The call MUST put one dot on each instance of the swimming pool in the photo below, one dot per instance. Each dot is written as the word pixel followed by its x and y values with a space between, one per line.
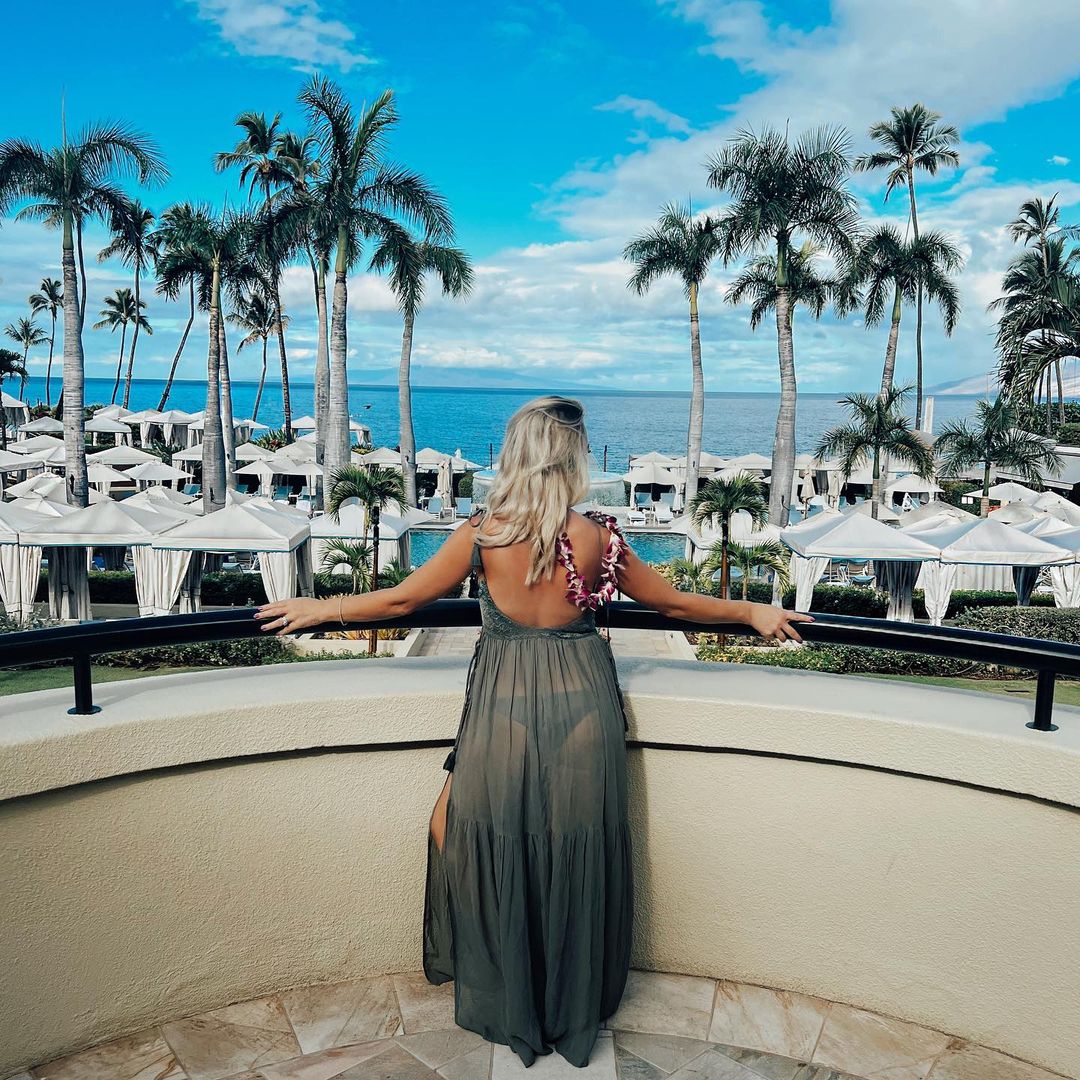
pixel 649 547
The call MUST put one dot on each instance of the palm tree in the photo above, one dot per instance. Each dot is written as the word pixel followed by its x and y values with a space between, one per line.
pixel 879 430
pixel 408 261
pixel 375 487
pixel 133 242
pixel 178 266
pixel 393 574
pixel 768 555
pixel 10 364
pixel 255 315
pixel 718 501
pixel 29 335
pixel 120 310
pixel 64 184
pixel 260 167
pixel 684 246
pixel 892 268
pixel 354 555
pixel 50 299
pixel 689 576
pixel 995 441
pixel 783 194
pixel 913 138
pixel 358 188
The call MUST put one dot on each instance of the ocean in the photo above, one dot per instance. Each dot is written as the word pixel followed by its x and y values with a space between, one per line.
pixel 473 420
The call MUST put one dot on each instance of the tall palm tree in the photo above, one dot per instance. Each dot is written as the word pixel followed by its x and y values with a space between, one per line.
pixel 718 501
pixel 261 168
pixel 685 247
pixel 178 267
pixel 784 193
pixel 50 299
pixel 29 335
pixel 376 487
pixel 995 441
pixel 10 364
pixel 121 310
pixel 133 243
pixel 409 260
pixel 63 184
pixel 768 555
pixel 891 268
pixel 913 138
pixel 880 431
pixel 255 315
pixel 359 188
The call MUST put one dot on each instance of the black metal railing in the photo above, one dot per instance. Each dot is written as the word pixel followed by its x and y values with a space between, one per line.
pixel 79 643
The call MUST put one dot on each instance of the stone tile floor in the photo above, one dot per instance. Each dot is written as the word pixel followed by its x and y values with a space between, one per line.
pixel 460 640
pixel 667 1027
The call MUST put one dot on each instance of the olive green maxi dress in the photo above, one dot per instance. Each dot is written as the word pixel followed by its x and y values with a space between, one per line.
pixel 529 905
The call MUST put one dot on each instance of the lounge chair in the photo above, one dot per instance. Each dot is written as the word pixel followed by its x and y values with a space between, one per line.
pixel 635 516
pixel 282 493
pixel 667 498
pixel 664 516
pixel 434 506
pixel 464 507
pixel 642 499
pixel 193 489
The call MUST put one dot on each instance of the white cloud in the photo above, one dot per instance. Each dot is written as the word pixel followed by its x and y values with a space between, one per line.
pixel 644 109
pixel 1057 159
pixel 296 30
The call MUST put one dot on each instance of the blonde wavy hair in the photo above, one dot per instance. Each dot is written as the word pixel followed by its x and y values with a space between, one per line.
pixel 543 470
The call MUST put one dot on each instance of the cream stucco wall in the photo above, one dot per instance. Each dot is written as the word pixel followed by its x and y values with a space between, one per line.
pixel 132 891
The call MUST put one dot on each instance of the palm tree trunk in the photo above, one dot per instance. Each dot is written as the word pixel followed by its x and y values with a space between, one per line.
pixel 336 450
pixel 725 568
pixel 22 377
pixel 119 365
pixel 918 310
pixel 3 420
pixel 180 349
pixel 1061 391
pixel 82 278
pixel 407 436
pixel 875 489
pixel 213 451
pixel 228 432
pixel 697 402
pixel 890 348
pixel 322 374
pixel 74 420
pixel 262 383
pixel 984 502
pixel 134 341
pixel 373 636
pixel 286 397
pixel 48 370
pixel 783 455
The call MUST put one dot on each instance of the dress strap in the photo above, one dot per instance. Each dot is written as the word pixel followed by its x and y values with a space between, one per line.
pixel 476 562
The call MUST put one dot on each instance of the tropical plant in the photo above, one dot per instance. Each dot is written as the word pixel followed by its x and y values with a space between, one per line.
pixel 376 488
pixel 274 439
pixel 768 555
pixel 913 138
pixel 687 575
pixel 255 315
pixel 11 363
pixel 996 442
pixel 50 299
pixel 408 262
pixel 29 335
pixel 719 499
pixel 357 189
pixel 64 185
pixel 261 168
pixel 879 430
pixel 683 246
pixel 133 243
pixel 354 555
pixel 120 310
pixel 394 573
pixel 783 194
pixel 891 268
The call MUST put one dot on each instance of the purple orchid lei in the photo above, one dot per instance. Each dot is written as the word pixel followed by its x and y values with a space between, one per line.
pixel 576 591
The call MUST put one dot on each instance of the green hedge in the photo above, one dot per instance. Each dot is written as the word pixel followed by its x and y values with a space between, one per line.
pixel 1054 624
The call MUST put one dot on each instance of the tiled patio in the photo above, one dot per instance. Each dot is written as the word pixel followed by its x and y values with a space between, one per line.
pixel 459 641
pixel 401 1027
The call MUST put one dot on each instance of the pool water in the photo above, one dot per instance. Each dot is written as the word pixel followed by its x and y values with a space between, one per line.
pixel 649 547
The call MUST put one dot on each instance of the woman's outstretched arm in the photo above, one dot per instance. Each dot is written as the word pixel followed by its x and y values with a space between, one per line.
pixel 449 566
pixel 642 583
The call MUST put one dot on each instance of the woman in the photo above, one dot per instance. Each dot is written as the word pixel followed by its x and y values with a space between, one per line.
pixel 529 892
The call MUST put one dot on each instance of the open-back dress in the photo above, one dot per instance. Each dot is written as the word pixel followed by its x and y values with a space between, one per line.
pixel 529 904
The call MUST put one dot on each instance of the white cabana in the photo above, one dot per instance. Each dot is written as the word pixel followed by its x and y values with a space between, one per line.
pixel 12 410
pixel 651 475
pixel 262 470
pixel 44 484
pixel 56 456
pixel 157 472
pixel 1007 492
pixel 105 425
pixel 120 457
pixel 43 425
pixel 101 475
pixel 10 462
pixel 1015 513
pixel 382 455
pixel 912 485
pixel 247 451
pixel 20 564
pixel 36 504
pixel 884 512
pixel 168 499
pixel 752 462
pixel 305 423
pixel 112 412
pixel 933 508
pixel 1053 503
pixel 170 420
pixel 191 455
pixel 36 444
pixel 1065 578
pixel 280 539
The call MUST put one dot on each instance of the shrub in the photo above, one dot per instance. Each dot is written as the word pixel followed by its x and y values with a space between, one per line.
pixel 465 486
pixel 1054 624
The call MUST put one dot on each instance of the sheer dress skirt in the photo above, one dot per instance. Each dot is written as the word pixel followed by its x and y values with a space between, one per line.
pixel 529 906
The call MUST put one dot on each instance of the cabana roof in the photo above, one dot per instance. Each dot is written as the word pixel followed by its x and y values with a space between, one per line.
pixel 107 522
pixel 984 542
pixel 855 536
pixel 237 527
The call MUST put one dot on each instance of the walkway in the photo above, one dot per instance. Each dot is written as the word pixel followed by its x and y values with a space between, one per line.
pixel 460 640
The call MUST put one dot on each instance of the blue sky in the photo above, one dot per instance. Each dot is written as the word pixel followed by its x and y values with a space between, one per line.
pixel 557 131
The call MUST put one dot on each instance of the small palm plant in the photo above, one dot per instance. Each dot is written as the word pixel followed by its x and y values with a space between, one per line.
pixel 10 364
pixel 394 573
pixel 28 334
pixel 878 430
pixel 354 555
pixel 719 500
pixel 995 440
pixel 768 555
pixel 689 576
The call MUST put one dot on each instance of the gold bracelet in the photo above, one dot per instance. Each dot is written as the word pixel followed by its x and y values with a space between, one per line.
pixel 341 600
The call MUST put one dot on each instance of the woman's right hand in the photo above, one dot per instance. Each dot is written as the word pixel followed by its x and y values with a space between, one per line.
pixel 775 622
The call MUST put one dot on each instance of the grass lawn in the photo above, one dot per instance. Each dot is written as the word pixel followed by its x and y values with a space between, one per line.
pixel 1065 693
pixel 22 681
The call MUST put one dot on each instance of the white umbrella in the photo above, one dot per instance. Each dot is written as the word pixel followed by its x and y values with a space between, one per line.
pixel 43 484
pixel 120 457
pixel 105 425
pixel 383 455
pixel 912 485
pixel 36 443
pixel 750 461
pixel 38 504
pixel 53 455
pixel 1007 492
pixel 157 472
pixel 884 513
pixel 112 412
pixel 97 472
pixel 44 425
pixel 444 484
pixel 651 473
pixel 654 457
pixel 1060 507
pixel 304 423
pixel 935 508
pixel 249 452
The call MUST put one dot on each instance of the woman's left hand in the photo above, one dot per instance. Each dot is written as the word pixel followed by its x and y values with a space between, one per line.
pixel 289 616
